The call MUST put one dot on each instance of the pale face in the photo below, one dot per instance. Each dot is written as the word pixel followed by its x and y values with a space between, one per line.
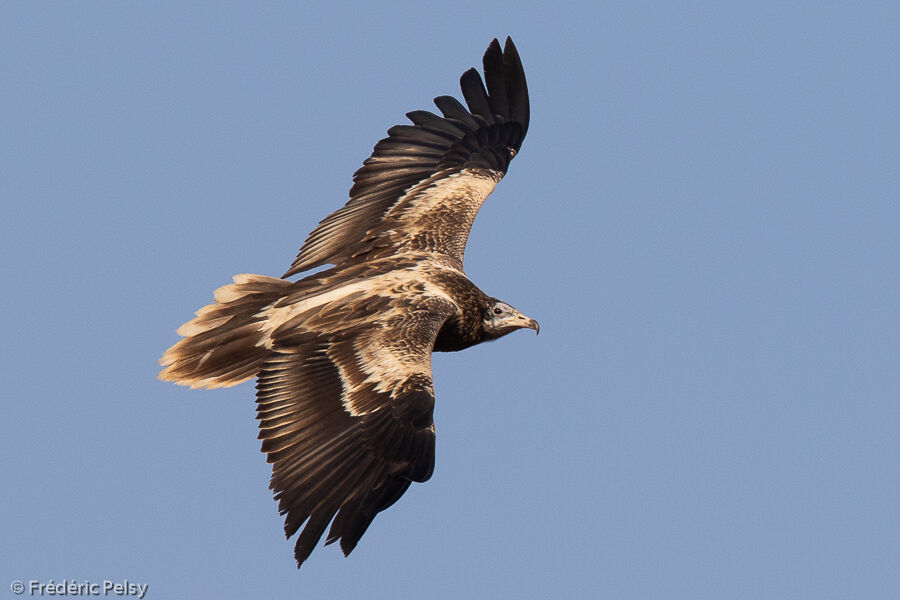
pixel 500 318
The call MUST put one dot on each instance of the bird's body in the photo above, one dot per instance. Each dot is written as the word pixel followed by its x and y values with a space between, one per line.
pixel 343 356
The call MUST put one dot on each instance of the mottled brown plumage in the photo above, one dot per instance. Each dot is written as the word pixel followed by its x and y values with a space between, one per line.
pixel 343 357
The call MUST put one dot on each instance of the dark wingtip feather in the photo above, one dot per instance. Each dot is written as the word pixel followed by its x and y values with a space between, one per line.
pixel 516 86
pixel 494 79
pixel 451 108
pixel 476 96
pixel 311 535
pixel 348 544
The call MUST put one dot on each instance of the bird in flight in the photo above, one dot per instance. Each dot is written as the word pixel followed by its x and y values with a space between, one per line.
pixel 342 357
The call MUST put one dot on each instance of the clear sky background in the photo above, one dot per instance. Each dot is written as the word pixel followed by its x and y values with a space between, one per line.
pixel 705 219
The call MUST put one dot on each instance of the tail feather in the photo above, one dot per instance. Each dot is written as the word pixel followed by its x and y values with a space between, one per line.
pixel 223 345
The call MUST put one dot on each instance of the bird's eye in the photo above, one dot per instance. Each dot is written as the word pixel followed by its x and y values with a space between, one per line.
pixel 497 310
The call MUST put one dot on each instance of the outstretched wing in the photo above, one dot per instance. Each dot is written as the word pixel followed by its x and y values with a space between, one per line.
pixel 345 404
pixel 424 183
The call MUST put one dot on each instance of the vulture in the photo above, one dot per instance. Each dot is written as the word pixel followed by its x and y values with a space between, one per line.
pixel 342 357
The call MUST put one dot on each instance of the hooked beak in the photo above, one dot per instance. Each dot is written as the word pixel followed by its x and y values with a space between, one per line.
pixel 524 322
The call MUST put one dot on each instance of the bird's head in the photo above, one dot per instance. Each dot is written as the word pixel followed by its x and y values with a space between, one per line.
pixel 500 318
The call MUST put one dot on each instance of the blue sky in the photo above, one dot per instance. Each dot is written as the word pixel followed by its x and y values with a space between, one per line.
pixel 704 218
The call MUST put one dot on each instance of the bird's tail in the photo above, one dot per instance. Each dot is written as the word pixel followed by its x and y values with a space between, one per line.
pixel 223 345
